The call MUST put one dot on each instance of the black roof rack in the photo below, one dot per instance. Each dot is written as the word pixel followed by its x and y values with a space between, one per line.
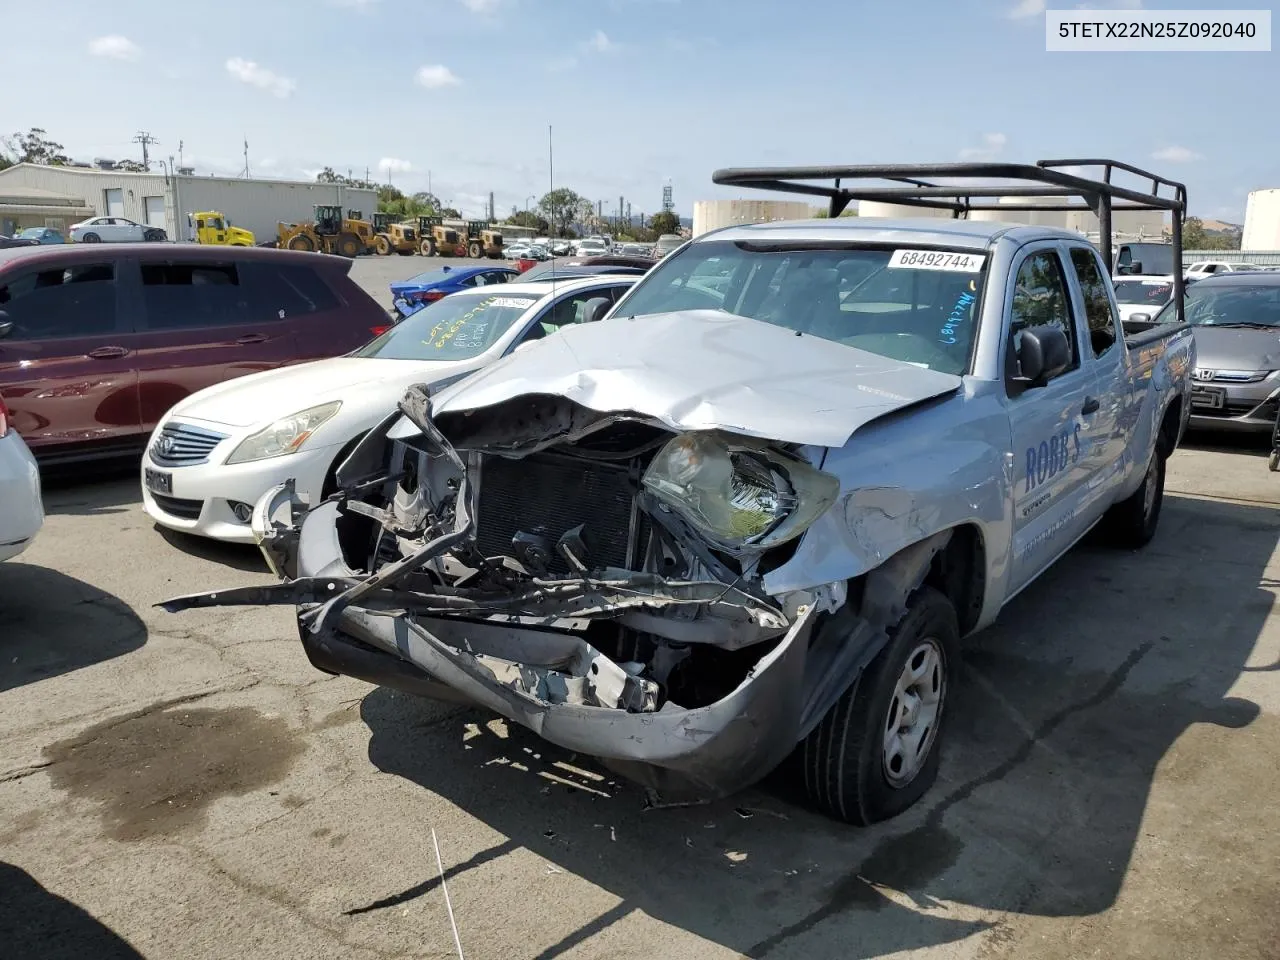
pixel 916 184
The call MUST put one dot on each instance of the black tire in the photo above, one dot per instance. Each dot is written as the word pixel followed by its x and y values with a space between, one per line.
pixel 349 246
pixel 1273 461
pixel 846 774
pixel 1132 522
pixel 427 248
pixel 301 242
pixel 383 245
pixel 91 238
pixel 474 250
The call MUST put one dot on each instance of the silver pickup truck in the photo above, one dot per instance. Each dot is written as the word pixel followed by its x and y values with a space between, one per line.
pixel 751 512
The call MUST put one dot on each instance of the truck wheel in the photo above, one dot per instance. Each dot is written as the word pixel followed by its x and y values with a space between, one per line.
pixel 349 246
pixel 427 248
pixel 383 246
pixel 474 250
pixel 1132 522
pixel 301 242
pixel 876 752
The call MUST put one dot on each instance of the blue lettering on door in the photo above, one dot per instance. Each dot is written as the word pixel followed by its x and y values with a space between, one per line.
pixel 1053 455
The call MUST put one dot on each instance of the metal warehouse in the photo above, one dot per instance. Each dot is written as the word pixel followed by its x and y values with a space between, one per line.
pixel 31 194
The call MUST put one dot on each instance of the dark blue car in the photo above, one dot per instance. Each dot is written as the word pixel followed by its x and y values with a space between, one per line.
pixel 410 296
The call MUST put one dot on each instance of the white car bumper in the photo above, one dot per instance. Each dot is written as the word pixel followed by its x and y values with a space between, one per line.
pixel 202 496
pixel 21 510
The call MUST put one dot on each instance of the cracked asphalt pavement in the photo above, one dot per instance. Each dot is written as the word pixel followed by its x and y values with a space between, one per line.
pixel 187 786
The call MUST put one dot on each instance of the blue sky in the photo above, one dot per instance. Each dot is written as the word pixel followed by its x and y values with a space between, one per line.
pixel 636 91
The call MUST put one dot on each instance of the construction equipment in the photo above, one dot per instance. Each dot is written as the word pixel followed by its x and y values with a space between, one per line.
pixel 483 242
pixel 330 232
pixel 390 236
pixel 212 228
pixel 435 238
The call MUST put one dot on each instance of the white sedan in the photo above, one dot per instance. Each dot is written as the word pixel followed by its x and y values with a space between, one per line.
pixel 109 230
pixel 213 455
pixel 21 510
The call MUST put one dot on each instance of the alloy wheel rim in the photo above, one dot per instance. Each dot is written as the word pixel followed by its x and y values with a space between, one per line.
pixel 911 723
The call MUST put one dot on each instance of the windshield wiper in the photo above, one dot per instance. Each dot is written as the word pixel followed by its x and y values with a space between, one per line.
pixel 1251 324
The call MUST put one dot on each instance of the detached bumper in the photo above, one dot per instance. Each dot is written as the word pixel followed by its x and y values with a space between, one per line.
pixel 531 675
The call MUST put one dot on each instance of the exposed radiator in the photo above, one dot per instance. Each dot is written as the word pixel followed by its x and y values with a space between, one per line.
pixel 549 494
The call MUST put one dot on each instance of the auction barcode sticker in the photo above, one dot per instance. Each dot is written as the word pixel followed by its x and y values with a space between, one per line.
pixel 936 260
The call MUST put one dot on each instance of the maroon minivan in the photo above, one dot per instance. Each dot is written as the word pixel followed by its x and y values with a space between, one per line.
pixel 98 341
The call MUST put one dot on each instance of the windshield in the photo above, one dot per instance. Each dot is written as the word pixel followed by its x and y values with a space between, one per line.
pixel 30 233
pixel 1229 305
pixel 456 328
pixel 917 306
pixel 1152 293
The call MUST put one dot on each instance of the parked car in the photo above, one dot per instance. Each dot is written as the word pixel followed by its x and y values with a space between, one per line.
pixel 591 247
pixel 41 235
pixel 1209 268
pixel 299 423
pixel 516 251
pixel 114 230
pixel 667 243
pixel 98 342
pixel 585 266
pixel 410 296
pixel 561 248
pixel 778 507
pixel 1142 294
pixel 6 242
pixel 21 510
pixel 1236 319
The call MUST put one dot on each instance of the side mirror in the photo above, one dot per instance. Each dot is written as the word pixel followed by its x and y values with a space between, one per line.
pixel 6 325
pixel 596 308
pixel 1043 353
pixel 1139 318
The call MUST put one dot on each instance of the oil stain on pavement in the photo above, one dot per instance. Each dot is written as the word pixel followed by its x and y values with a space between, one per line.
pixel 155 772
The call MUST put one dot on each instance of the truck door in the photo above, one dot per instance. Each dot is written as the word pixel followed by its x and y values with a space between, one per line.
pixel 1052 425
pixel 1103 349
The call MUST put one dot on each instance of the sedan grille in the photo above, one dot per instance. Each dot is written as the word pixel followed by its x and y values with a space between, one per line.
pixel 182 445
pixel 548 495
pixel 182 509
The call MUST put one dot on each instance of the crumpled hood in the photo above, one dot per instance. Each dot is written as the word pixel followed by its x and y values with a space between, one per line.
pixel 271 394
pixel 1237 348
pixel 708 370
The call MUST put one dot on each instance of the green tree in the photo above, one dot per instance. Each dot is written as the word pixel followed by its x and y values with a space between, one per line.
pixel 527 218
pixel 130 166
pixel 34 146
pixel 560 207
pixel 665 222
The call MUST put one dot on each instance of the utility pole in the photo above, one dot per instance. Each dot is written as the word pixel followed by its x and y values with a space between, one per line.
pixel 246 158
pixel 180 163
pixel 146 140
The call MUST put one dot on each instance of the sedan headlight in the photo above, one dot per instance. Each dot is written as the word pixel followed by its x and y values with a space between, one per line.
pixel 739 493
pixel 285 436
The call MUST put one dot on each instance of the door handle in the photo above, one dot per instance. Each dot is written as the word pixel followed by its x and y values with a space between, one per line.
pixel 1091 405
pixel 108 353
pixel 251 338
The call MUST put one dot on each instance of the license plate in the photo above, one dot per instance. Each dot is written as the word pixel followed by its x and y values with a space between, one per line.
pixel 1208 398
pixel 159 481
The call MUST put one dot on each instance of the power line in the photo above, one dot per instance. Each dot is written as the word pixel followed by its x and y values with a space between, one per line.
pixel 146 140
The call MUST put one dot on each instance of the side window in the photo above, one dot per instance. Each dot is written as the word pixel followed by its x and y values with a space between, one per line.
pixel 281 291
pixel 1040 299
pixel 75 301
pixel 1098 308
pixel 569 310
pixel 184 296
pixel 470 281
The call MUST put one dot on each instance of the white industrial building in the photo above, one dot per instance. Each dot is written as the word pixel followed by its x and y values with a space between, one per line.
pixel 38 195
pixel 713 214
pixel 1262 221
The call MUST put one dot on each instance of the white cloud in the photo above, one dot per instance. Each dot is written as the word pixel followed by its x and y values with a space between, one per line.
pixel 115 47
pixel 992 146
pixel 1175 154
pixel 437 75
pixel 482 6
pixel 600 43
pixel 246 71
pixel 1027 8
pixel 393 165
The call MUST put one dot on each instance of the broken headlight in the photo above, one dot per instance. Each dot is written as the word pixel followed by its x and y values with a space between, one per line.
pixel 738 493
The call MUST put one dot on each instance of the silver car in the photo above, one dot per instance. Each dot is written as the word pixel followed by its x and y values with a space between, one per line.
pixel 1236 319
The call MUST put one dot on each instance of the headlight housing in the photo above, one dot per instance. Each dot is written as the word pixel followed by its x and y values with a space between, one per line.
pixel 740 494
pixel 285 436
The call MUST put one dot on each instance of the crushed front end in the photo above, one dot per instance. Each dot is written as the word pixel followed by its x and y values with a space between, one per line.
pixel 594 577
